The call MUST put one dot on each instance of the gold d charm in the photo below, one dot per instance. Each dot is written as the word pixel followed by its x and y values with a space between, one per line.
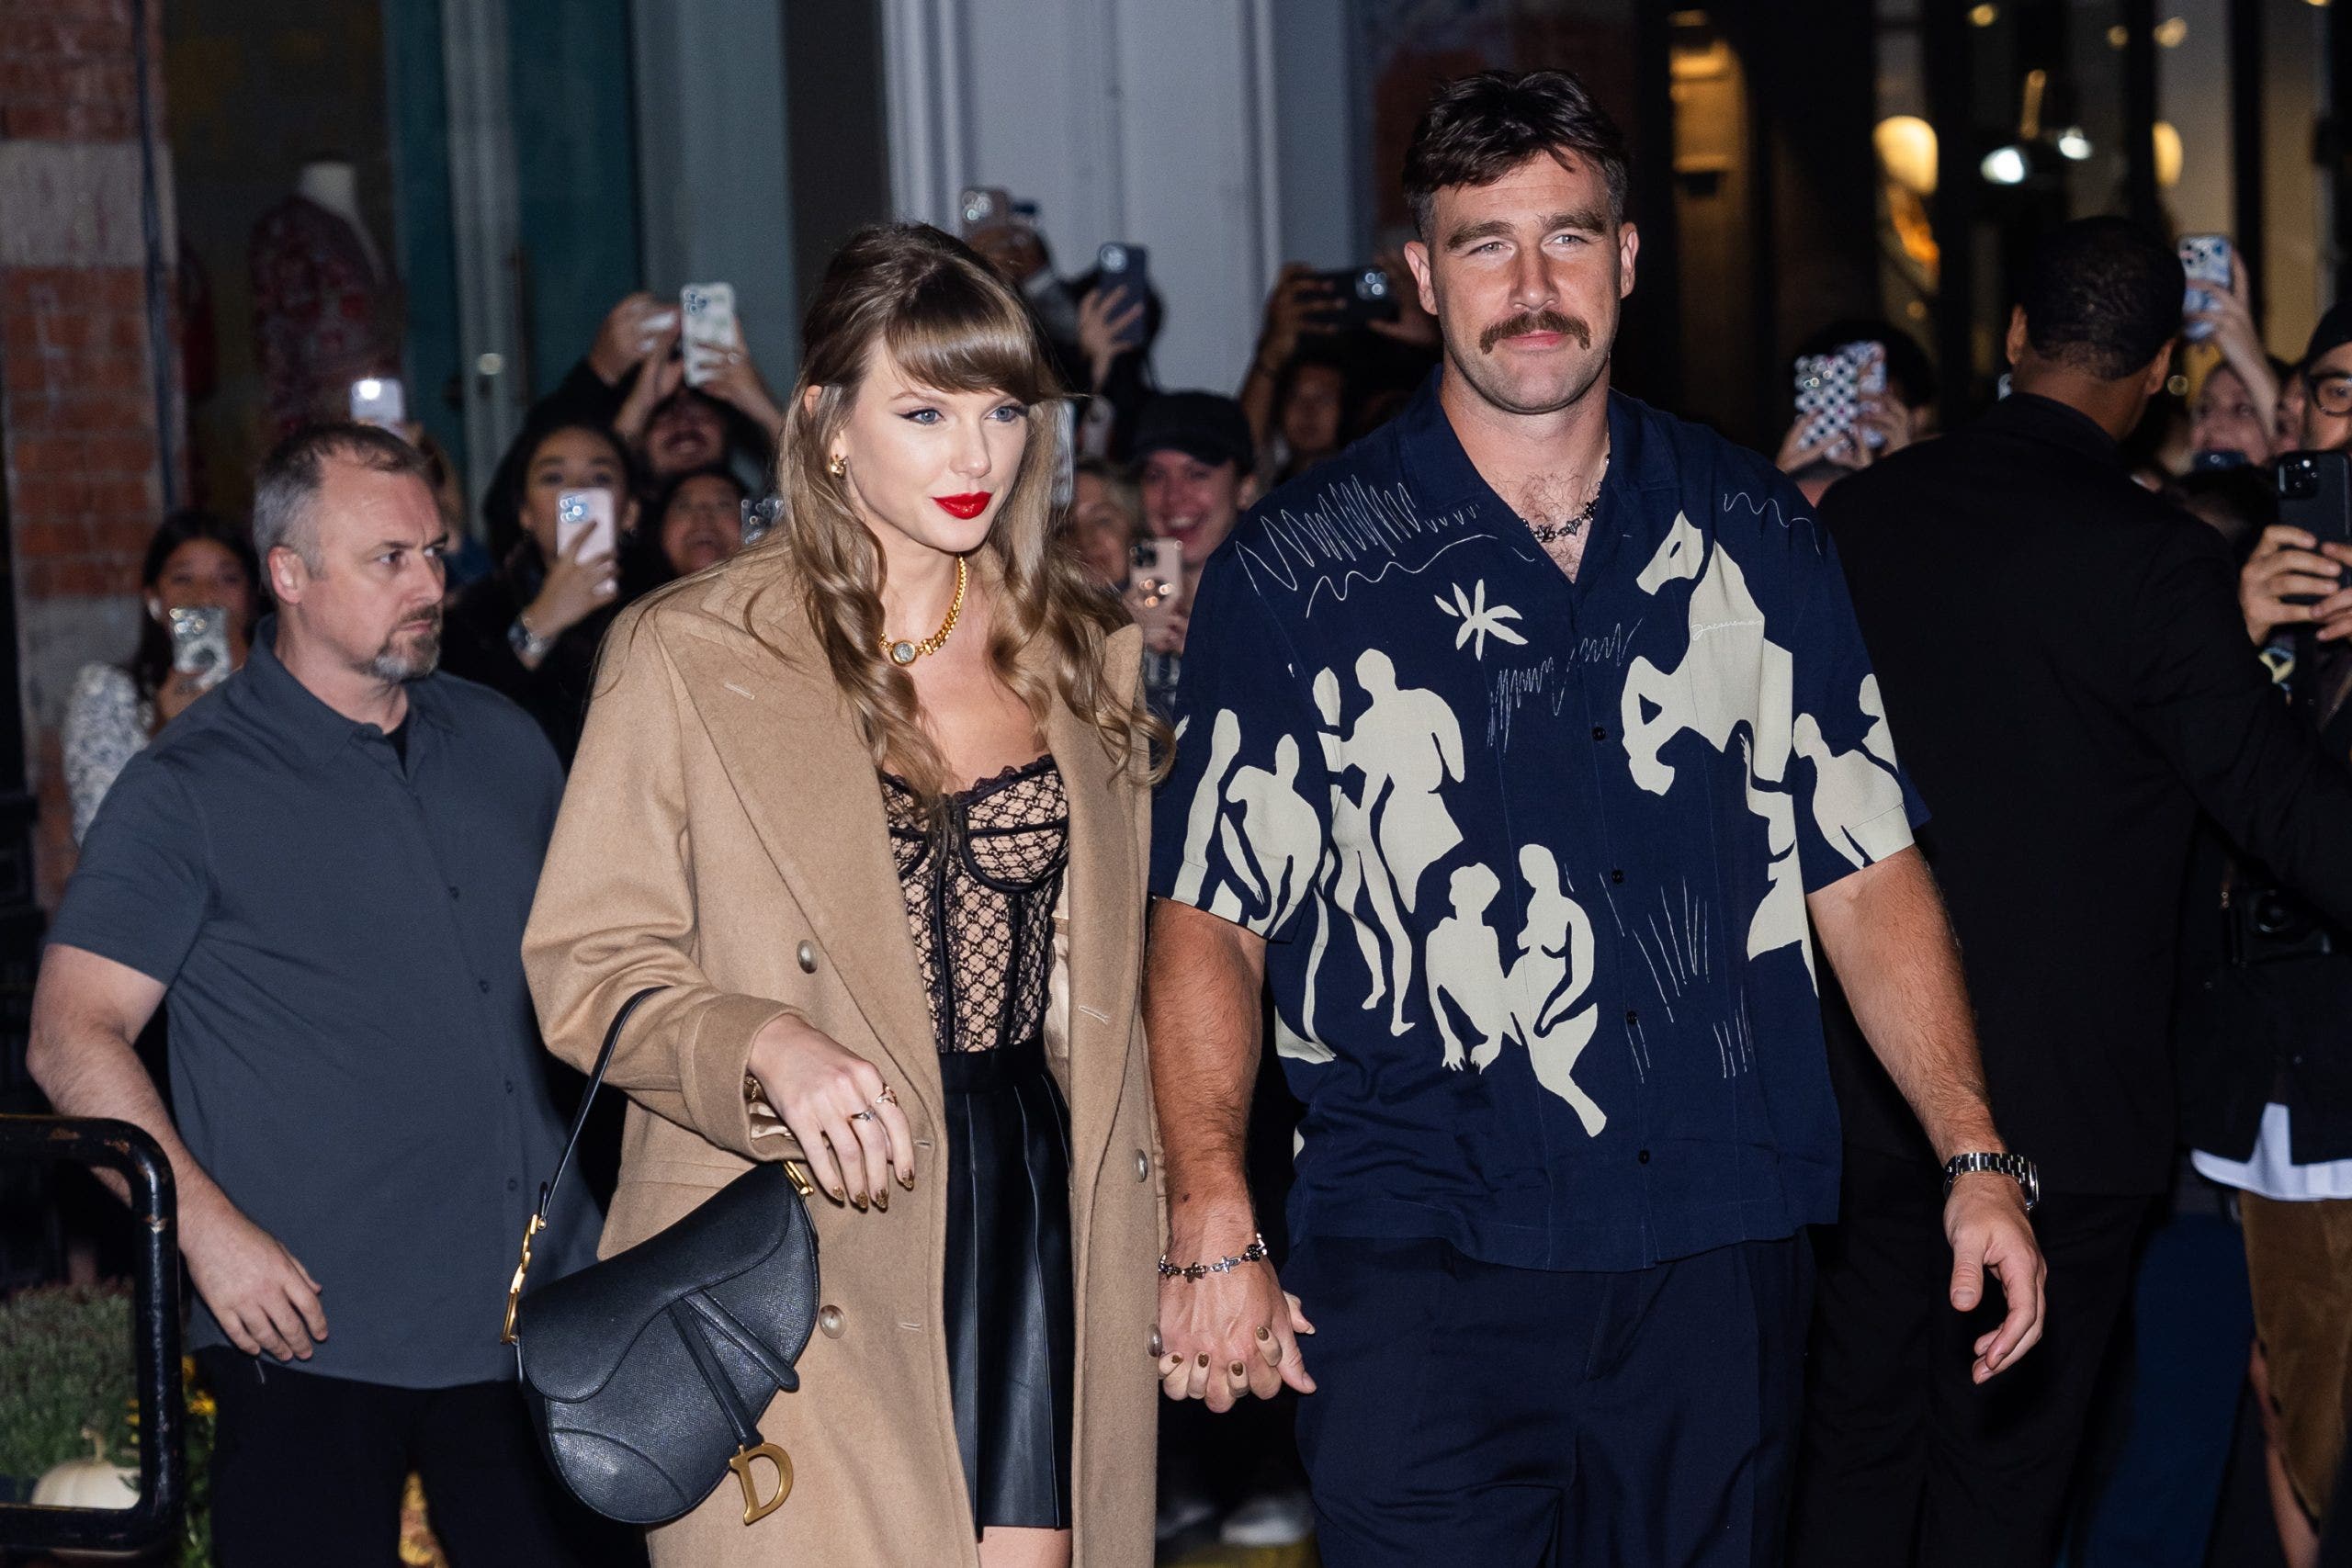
pixel 753 1509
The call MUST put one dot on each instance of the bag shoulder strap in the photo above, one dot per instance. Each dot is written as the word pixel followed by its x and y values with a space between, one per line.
pixel 588 1096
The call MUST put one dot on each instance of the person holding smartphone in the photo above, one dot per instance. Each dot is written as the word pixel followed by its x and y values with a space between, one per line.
pixel 531 628
pixel 195 561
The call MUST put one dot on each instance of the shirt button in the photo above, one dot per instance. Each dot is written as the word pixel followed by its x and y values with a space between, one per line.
pixel 806 954
pixel 512 1184
pixel 829 1319
pixel 1601 732
pixel 453 891
pixel 1643 1156
pixel 1618 877
pixel 485 986
pixel 1631 1016
pixel 510 1086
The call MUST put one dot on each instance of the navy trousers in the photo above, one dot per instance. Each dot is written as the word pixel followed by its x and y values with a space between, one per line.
pixel 1467 1413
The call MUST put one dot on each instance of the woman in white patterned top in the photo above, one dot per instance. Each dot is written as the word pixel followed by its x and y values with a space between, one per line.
pixel 195 558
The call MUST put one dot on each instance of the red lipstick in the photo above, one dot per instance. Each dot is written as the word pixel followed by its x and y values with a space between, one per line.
pixel 964 507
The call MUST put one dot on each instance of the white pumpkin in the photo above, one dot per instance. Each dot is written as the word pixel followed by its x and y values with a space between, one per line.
pixel 93 1483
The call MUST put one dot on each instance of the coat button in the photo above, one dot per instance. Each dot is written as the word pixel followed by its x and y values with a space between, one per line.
pixel 1143 1166
pixel 829 1320
pixel 808 957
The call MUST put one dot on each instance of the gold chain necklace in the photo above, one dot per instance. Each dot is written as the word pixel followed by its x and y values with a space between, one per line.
pixel 903 654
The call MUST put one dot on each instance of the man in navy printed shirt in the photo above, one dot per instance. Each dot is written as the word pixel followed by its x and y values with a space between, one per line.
pixel 1523 749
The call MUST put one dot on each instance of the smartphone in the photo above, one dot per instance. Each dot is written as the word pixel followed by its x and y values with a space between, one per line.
pixel 1360 295
pixel 983 207
pixel 1123 273
pixel 706 329
pixel 2315 495
pixel 2205 258
pixel 1155 582
pixel 200 643
pixel 1831 387
pixel 379 400
pixel 589 513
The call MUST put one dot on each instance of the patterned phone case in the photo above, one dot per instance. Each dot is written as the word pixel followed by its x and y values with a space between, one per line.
pixel 1830 388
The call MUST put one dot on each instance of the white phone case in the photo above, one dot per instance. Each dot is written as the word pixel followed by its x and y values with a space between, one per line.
pixel 588 512
pixel 707 330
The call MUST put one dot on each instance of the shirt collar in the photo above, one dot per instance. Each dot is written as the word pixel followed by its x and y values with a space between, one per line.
pixel 317 729
pixel 1441 473
pixel 2046 419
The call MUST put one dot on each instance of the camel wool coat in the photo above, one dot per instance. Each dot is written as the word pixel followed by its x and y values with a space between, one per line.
pixel 723 837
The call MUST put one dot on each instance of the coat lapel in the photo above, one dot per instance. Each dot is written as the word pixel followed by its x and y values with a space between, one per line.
pixel 1105 912
pixel 792 754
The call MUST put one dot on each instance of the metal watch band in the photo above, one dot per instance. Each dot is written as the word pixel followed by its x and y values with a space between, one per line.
pixel 525 642
pixel 2015 1166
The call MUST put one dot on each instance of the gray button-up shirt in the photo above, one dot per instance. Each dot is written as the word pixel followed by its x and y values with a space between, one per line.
pixel 353 1056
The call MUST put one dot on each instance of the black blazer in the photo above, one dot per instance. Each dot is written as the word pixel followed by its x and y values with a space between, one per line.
pixel 2068 680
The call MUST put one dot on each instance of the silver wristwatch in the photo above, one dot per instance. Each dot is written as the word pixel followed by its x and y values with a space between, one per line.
pixel 2015 1166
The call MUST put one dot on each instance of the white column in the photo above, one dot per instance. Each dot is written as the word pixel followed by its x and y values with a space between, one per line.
pixel 714 190
pixel 1136 120
pixel 483 207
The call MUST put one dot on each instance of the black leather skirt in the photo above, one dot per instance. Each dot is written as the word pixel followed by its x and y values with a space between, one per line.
pixel 1010 1307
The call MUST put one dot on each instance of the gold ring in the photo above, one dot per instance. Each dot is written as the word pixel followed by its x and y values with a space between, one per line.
pixel 888 1097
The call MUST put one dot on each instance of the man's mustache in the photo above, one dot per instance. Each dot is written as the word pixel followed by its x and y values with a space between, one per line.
pixel 1535 322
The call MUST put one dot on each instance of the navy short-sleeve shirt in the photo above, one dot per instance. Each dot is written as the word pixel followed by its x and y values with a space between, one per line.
pixel 1531 854
pixel 353 1056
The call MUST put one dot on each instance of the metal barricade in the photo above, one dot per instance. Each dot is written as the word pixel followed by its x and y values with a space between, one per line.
pixel 155 1340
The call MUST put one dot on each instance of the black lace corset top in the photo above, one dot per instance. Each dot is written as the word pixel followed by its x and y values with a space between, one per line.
pixel 980 893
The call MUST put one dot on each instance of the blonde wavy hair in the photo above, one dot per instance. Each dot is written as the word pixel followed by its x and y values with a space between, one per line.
pixel 951 324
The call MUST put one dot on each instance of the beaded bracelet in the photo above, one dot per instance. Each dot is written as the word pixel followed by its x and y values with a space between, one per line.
pixel 1253 1253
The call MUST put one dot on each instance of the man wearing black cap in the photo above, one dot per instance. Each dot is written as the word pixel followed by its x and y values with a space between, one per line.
pixel 2062 654
pixel 1195 468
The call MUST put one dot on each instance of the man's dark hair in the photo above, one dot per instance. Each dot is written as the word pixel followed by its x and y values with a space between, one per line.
pixel 1479 128
pixel 2102 295
pixel 289 480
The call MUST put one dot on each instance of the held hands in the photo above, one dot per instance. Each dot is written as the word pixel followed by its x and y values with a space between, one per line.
pixel 2289 561
pixel 835 1103
pixel 1224 1336
pixel 264 1298
pixel 1985 1220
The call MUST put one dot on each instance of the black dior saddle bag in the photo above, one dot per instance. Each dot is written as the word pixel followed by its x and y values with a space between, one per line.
pixel 646 1373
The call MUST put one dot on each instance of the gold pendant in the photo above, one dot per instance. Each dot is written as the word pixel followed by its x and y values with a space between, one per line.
pixel 902 653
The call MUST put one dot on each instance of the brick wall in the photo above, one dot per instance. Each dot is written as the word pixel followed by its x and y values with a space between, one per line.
pixel 79 460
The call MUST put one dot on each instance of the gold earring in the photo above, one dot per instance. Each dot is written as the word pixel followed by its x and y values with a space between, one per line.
pixel 837 466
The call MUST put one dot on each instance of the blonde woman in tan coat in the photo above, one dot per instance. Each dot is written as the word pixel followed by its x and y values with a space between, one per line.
pixel 870 802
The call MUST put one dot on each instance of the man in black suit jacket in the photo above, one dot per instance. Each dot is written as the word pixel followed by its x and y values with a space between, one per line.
pixel 2064 656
